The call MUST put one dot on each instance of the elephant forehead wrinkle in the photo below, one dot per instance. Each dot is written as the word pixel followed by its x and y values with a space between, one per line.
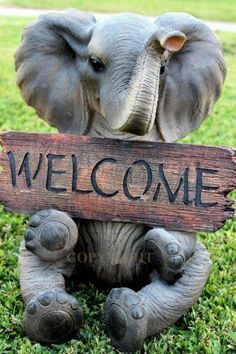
pixel 115 31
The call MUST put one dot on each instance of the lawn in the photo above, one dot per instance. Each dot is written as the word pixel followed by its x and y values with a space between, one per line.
pixel 210 9
pixel 209 326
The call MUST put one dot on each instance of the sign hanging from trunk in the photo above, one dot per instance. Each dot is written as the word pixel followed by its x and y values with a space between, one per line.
pixel 174 186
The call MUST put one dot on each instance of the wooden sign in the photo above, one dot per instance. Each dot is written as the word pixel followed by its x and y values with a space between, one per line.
pixel 179 187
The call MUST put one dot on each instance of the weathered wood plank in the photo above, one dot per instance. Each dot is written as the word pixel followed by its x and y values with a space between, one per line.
pixel 179 187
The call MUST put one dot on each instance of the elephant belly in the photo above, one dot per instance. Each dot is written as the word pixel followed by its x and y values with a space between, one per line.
pixel 112 252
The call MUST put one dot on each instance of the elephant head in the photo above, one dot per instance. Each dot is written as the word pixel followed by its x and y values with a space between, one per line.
pixel 132 73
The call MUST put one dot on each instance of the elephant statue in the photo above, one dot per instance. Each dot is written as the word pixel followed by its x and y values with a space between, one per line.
pixel 129 78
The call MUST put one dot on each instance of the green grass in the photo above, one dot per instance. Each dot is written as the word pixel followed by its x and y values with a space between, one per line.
pixel 208 327
pixel 206 9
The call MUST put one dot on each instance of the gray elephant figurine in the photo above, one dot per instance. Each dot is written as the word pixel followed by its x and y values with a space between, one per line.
pixel 124 78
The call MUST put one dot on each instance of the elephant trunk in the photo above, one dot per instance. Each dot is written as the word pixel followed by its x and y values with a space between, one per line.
pixel 136 106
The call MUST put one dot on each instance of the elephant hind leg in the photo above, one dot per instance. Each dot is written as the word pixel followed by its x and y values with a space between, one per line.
pixel 167 303
pixel 131 317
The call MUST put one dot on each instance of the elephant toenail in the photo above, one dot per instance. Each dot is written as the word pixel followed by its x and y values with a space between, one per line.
pixel 31 246
pixel 130 300
pixel 29 235
pixel 138 312
pixel 175 262
pixel 74 305
pixel 46 298
pixel 112 292
pixel 62 298
pixel 116 322
pixel 118 293
pixel 44 213
pixel 32 308
pixel 54 236
pixel 35 221
pixel 172 248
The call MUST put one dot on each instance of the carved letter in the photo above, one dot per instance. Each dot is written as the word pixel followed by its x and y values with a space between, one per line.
pixel 75 176
pixel 200 187
pixel 50 172
pixel 148 183
pixel 94 178
pixel 24 167
pixel 171 196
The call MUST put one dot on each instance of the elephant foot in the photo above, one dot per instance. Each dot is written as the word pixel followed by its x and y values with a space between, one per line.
pixel 126 319
pixel 51 235
pixel 132 317
pixel 168 254
pixel 52 317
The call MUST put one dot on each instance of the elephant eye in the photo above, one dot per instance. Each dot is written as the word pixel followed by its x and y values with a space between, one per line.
pixel 97 64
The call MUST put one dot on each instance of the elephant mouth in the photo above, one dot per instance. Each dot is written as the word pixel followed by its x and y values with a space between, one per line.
pixel 140 109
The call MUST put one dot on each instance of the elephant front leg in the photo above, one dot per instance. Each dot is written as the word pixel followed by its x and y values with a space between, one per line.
pixel 46 256
pixel 168 252
pixel 133 316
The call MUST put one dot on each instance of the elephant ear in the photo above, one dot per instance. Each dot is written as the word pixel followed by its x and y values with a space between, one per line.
pixel 193 78
pixel 47 64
